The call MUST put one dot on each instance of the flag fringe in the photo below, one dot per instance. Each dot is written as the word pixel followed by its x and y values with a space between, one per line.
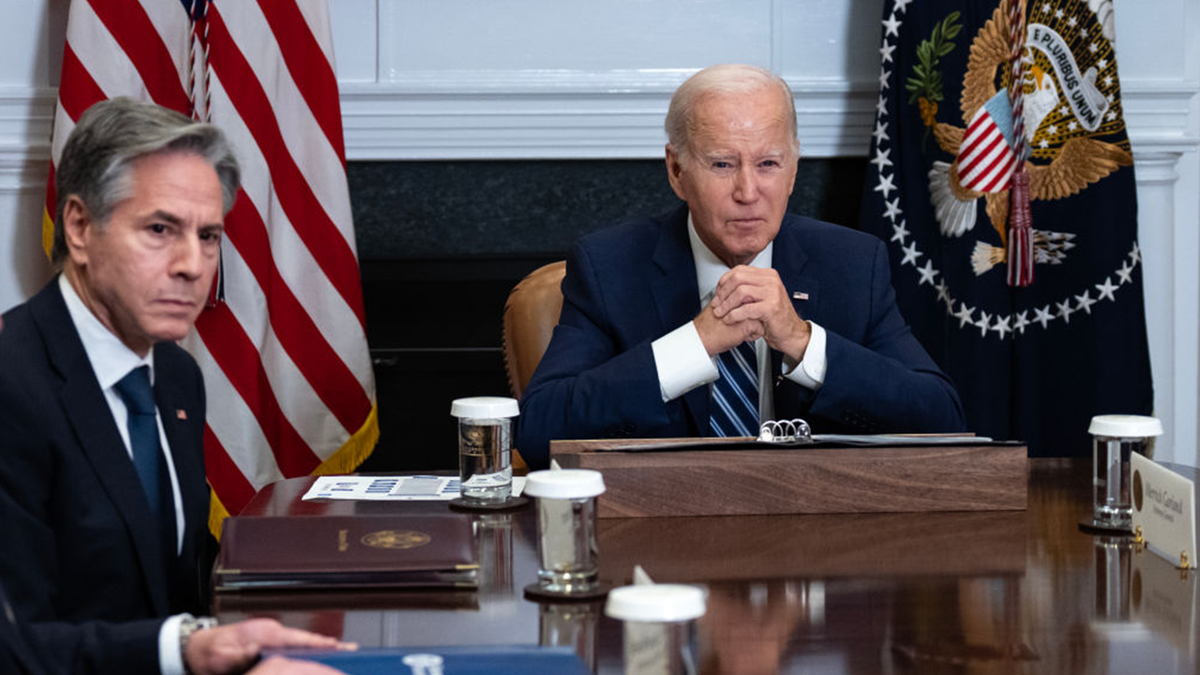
pixel 47 232
pixel 353 452
pixel 216 513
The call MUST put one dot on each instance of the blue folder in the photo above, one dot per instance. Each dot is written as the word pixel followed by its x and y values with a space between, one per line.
pixel 489 660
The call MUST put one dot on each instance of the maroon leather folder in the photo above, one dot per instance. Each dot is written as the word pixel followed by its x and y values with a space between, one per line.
pixel 397 551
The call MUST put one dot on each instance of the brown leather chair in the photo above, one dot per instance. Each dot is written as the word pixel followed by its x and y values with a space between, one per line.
pixel 529 318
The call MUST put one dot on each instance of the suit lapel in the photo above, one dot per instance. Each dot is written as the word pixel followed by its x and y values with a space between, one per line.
pixel 676 295
pixel 91 419
pixel 791 261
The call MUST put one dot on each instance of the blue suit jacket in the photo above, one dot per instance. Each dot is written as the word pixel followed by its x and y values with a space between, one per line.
pixel 20 653
pixel 81 541
pixel 629 285
pixel 91 648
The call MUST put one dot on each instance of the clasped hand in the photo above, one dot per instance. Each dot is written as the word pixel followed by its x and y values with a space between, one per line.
pixel 749 303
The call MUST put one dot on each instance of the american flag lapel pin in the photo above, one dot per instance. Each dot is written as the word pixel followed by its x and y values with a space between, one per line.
pixel 181 414
pixel 799 295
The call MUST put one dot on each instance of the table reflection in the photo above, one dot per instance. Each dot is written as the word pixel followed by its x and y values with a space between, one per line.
pixel 571 624
pixel 748 627
pixel 963 593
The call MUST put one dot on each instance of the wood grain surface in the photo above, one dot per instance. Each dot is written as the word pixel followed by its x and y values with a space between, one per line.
pixel 815 480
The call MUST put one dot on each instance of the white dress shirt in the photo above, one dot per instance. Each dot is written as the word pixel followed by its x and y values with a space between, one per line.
pixel 683 363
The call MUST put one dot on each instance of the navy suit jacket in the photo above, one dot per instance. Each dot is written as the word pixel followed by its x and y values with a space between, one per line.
pixel 92 648
pixel 629 285
pixel 20 653
pixel 80 540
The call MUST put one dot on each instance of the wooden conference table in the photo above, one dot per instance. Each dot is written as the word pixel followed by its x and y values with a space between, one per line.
pixel 991 592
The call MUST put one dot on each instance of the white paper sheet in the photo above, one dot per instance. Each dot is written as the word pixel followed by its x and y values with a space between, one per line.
pixel 392 488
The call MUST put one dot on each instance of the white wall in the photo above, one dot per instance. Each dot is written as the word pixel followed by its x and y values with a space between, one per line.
pixel 31 37
pixel 442 79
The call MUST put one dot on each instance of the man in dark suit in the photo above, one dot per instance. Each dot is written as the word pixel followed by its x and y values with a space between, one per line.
pixel 133 647
pixel 101 413
pixel 730 311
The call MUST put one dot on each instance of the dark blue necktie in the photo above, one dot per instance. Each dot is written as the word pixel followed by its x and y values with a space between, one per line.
pixel 138 396
pixel 734 410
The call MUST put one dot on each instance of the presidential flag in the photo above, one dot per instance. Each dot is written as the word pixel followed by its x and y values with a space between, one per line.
pixel 1031 362
pixel 283 345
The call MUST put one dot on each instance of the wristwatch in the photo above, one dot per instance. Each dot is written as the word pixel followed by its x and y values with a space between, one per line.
pixel 187 626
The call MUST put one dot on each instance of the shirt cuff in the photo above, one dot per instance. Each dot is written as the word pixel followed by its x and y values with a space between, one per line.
pixel 810 372
pixel 682 362
pixel 170 660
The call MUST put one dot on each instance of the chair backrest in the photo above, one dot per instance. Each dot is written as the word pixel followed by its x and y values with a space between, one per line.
pixel 529 318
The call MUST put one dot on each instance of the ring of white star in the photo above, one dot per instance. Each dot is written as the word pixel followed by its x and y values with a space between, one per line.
pixel 999 325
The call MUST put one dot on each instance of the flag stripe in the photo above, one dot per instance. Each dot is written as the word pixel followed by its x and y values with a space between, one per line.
pixel 233 351
pixel 316 16
pixel 320 364
pixel 106 63
pixel 309 69
pixel 235 491
pixel 137 36
pixel 316 159
pixel 233 423
pixel 166 20
pixel 1001 174
pixel 83 91
pixel 982 148
pixel 297 397
pixel 986 167
pixel 322 237
pixel 985 170
pixel 72 101
pixel 294 261
pixel 981 120
pixel 63 124
pixel 985 159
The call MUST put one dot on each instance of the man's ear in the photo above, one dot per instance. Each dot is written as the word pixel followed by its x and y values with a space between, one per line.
pixel 77 228
pixel 675 172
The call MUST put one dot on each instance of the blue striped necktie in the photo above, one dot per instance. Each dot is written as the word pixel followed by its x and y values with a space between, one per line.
pixel 734 409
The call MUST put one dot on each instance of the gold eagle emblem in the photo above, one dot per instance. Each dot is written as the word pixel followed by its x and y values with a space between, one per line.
pixel 396 539
pixel 1066 156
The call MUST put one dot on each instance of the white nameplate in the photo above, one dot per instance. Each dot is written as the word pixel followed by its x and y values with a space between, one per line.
pixel 1164 507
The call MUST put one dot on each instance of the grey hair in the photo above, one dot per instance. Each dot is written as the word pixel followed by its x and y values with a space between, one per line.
pixel 110 137
pixel 730 78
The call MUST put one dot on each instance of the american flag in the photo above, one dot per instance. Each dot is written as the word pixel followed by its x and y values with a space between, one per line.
pixel 986 160
pixel 284 351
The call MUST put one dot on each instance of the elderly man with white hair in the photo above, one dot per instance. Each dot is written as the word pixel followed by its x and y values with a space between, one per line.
pixel 729 310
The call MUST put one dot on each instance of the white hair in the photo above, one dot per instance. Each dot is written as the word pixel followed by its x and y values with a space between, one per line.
pixel 727 78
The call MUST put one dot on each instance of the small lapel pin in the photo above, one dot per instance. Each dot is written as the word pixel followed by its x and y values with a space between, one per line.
pixel 181 414
pixel 799 295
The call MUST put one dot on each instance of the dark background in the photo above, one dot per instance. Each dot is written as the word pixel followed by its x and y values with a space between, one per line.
pixel 441 244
